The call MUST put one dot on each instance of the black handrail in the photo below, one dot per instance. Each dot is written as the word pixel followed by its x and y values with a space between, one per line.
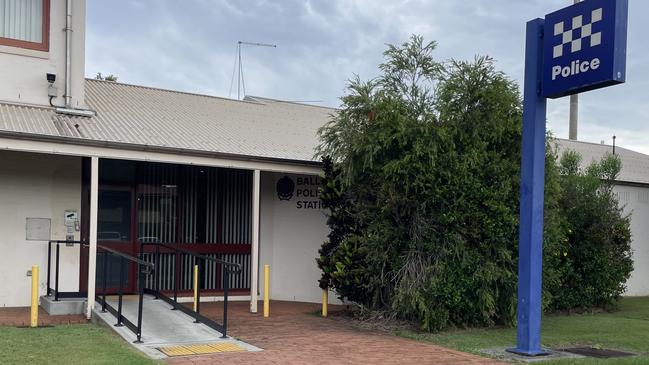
pixel 144 268
pixel 57 294
pixel 227 267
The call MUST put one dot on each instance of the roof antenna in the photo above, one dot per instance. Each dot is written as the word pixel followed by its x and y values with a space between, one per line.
pixel 237 61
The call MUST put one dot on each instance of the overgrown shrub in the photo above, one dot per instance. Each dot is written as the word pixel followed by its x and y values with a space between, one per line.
pixel 422 187
pixel 596 260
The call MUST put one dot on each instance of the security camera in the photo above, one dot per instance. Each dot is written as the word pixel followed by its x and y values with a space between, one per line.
pixel 52 91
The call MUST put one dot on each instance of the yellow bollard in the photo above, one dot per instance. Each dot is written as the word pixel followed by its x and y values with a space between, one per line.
pixel 34 312
pixel 266 291
pixel 195 287
pixel 325 302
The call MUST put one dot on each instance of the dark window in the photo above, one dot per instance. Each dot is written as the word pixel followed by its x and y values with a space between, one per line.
pixel 114 223
pixel 25 24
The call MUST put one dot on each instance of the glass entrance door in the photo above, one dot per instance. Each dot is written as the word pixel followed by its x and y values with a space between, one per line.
pixel 115 229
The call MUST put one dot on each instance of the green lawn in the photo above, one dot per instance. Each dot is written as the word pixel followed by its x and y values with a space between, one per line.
pixel 625 329
pixel 74 344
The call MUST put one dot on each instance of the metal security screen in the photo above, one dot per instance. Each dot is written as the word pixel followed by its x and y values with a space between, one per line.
pixel 206 210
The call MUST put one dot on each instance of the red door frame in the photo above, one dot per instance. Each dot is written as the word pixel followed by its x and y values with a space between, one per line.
pixel 85 223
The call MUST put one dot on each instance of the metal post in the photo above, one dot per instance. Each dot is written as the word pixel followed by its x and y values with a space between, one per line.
pixel 574 117
pixel 120 292
pixel 226 287
pixel 325 302
pixel 177 273
pixel 197 290
pixel 49 266
pixel 156 277
pixel 266 291
pixel 33 322
pixel 56 275
pixel 530 245
pixel 195 285
pixel 574 111
pixel 139 307
pixel 105 278
pixel 239 76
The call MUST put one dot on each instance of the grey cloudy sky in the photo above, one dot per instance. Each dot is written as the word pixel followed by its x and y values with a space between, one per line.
pixel 190 45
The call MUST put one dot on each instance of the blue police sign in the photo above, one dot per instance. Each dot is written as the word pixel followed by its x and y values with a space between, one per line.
pixel 579 48
pixel 584 47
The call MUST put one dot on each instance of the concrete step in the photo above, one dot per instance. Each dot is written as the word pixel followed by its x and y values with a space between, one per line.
pixel 63 306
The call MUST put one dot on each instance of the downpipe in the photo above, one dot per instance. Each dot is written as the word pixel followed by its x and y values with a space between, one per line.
pixel 68 60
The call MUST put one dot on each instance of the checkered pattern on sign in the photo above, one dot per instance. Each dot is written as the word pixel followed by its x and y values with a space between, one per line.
pixel 576 35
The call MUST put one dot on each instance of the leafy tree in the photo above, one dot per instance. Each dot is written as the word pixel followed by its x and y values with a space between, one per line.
pixel 110 77
pixel 430 155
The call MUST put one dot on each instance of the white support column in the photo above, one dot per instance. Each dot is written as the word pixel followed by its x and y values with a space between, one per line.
pixel 92 236
pixel 254 267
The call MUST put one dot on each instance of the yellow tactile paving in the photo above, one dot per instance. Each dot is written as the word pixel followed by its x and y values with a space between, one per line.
pixel 200 349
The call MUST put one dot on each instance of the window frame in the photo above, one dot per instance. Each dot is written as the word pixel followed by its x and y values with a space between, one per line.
pixel 44 46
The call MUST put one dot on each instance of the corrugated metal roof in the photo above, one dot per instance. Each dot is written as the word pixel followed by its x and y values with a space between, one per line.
pixel 256 127
pixel 138 115
pixel 635 165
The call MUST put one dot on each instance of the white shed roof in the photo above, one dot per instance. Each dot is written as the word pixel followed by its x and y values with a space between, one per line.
pixel 635 165
pixel 151 117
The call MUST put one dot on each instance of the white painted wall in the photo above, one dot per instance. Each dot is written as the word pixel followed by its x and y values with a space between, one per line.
pixel 636 201
pixel 23 71
pixel 43 186
pixel 290 239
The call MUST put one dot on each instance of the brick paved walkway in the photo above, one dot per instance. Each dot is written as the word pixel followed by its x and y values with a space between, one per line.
pixel 293 335
pixel 19 316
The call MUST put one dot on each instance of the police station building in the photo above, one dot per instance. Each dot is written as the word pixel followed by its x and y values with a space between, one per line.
pixel 104 164
pixel 115 165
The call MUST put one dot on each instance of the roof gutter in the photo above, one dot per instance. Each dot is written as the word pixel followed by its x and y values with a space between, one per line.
pixel 150 148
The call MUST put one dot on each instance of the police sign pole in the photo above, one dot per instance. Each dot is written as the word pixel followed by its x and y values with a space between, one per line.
pixel 576 49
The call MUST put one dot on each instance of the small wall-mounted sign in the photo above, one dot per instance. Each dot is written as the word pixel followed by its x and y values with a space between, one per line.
pixel 71 217
pixel 38 229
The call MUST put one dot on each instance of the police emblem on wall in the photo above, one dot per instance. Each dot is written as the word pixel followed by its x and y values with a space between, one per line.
pixel 285 188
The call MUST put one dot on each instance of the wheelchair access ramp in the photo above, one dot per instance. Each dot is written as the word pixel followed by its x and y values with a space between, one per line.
pixel 157 324
pixel 167 332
